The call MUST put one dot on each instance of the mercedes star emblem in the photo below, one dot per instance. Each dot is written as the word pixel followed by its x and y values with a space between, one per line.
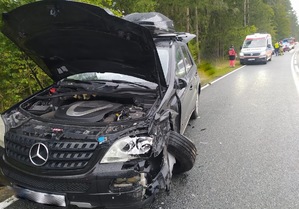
pixel 38 154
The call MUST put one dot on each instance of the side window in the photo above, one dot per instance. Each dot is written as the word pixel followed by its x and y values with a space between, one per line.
pixel 187 58
pixel 180 70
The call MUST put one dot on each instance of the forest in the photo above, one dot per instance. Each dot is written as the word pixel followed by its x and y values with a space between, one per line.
pixel 216 23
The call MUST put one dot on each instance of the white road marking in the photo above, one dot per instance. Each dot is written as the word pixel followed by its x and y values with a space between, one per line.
pixel 294 70
pixel 205 86
pixel 8 202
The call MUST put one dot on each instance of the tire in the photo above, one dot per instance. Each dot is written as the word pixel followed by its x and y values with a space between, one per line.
pixel 184 151
pixel 195 112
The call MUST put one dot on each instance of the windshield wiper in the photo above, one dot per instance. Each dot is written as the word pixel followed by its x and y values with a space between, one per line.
pixel 131 83
pixel 74 81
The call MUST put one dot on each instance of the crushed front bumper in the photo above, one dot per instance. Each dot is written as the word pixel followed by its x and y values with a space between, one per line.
pixel 107 186
pixel 126 200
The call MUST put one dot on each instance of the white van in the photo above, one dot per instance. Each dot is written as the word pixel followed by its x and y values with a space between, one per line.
pixel 257 48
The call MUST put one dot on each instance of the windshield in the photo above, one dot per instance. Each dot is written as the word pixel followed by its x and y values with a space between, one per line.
pixel 254 43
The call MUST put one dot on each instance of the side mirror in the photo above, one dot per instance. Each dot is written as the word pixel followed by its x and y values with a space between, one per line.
pixel 182 83
pixel 269 46
pixel 240 48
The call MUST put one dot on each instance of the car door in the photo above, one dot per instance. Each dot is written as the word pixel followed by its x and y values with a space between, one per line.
pixel 192 79
pixel 185 70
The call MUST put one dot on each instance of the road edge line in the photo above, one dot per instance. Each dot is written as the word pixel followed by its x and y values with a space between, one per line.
pixel 218 79
pixel 294 68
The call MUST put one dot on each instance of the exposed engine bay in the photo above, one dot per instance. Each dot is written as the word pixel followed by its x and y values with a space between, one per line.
pixel 88 108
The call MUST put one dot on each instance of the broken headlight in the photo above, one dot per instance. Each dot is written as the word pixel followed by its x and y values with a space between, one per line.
pixel 2 132
pixel 128 148
pixel 8 121
pixel 13 119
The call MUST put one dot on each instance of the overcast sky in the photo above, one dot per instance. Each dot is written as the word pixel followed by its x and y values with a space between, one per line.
pixel 295 5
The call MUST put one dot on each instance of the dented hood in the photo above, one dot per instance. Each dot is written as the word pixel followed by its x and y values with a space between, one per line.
pixel 66 38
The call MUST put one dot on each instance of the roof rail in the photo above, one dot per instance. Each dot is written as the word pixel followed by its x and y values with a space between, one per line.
pixel 181 36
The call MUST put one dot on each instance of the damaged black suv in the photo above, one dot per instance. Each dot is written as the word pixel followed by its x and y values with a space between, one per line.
pixel 108 132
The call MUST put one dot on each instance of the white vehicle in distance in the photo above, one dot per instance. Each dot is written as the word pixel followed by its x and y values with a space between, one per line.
pixel 256 48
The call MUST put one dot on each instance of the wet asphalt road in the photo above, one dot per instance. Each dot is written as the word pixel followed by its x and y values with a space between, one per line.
pixel 247 138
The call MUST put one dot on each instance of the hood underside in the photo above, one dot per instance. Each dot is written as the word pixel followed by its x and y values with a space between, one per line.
pixel 66 38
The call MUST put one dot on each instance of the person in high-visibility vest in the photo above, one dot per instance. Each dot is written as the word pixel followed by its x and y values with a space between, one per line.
pixel 276 48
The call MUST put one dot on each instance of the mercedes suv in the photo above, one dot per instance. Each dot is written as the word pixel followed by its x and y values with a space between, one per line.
pixel 108 132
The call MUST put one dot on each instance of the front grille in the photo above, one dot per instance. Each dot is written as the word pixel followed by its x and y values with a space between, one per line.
pixel 252 54
pixel 59 185
pixel 62 154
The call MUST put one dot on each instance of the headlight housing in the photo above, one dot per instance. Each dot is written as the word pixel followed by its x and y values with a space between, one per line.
pixel 14 119
pixel 241 54
pixel 128 148
pixel 10 120
pixel 2 132
pixel 263 53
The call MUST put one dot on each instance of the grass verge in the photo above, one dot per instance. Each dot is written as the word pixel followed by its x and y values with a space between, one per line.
pixel 211 71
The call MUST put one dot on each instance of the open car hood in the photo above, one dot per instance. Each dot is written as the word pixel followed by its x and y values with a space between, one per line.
pixel 66 38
